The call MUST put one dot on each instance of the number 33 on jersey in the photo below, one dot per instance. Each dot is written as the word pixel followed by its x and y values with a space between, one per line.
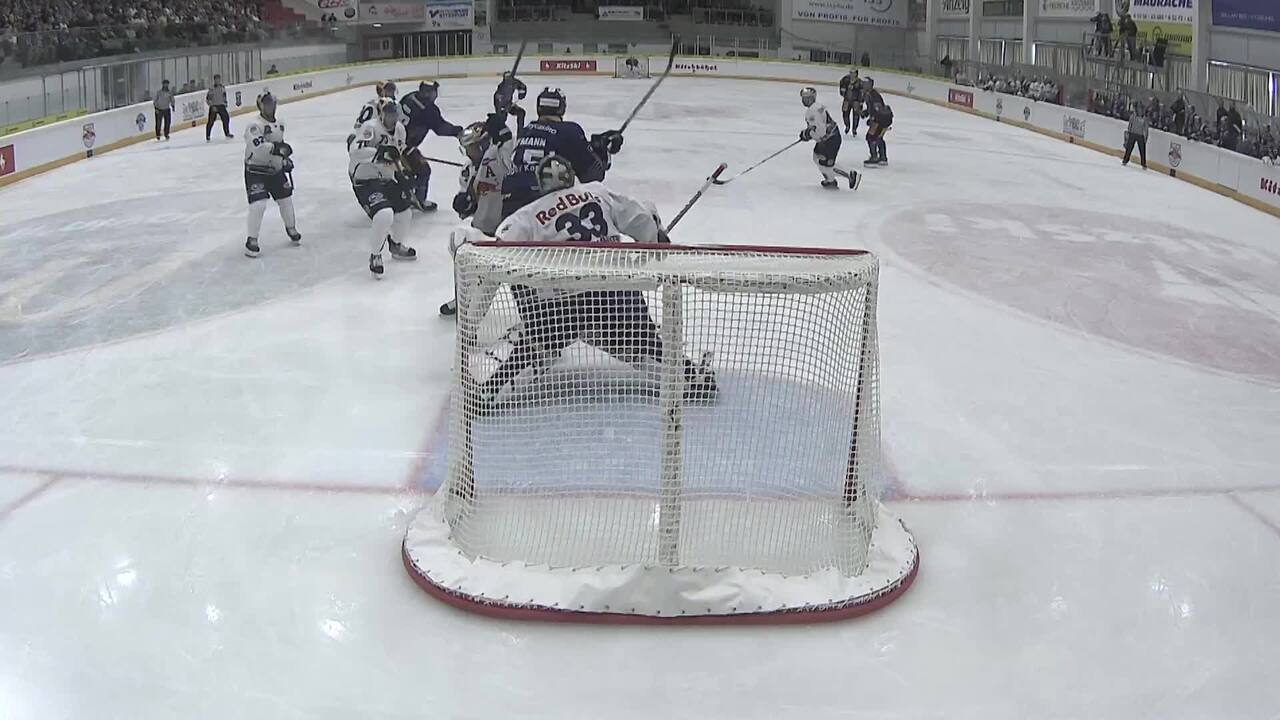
pixel 582 213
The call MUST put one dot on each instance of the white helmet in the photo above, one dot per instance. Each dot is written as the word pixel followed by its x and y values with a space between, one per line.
pixel 808 96
pixel 555 173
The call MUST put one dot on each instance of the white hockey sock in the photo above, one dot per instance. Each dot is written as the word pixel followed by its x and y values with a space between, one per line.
pixel 827 173
pixel 286 212
pixel 400 230
pixel 256 211
pixel 381 226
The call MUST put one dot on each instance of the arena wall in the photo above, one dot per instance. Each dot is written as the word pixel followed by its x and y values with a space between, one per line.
pixel 1246 179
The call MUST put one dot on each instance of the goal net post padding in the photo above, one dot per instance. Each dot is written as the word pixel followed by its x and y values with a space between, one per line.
pixel 607 479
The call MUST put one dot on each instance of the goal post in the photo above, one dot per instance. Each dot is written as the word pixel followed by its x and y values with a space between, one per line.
pixel 663 433
pixel 631 66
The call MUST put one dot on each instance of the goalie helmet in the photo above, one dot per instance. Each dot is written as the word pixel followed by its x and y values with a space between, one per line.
pixel 555 173
pixel 267 105
pixel 474 141
pixel 551 103
pixel 808 96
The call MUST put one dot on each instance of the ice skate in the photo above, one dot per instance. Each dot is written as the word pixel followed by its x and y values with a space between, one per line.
pixel 401 252
pixel 251 248
pixel 375 265
pixel 295 237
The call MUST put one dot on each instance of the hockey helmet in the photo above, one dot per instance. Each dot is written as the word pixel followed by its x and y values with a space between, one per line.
pixel 474 141
pixel 551 103
pixel 808 96
pixel 389 111
pixel 429 90
pixel 869 81
pixel 389 90
pixel 378 86
pixel 555 173
pixel 267 105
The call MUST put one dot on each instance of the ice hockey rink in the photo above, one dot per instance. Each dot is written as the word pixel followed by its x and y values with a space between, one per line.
pixel 207 463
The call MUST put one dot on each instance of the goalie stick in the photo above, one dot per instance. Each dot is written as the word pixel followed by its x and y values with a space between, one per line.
pixel 671 59
pixel 696 196
pixel 753 167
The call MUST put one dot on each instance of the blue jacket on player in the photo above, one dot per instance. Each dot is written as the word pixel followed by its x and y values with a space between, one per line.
pixel 539 139
pixel 422 116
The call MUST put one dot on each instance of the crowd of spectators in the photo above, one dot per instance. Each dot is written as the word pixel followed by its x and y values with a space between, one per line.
pixel 38 32
pixel 1043 88
pixel 1226 129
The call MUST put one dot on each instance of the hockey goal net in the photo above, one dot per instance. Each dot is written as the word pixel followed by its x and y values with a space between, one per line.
pixel 663 432
pixel 632 66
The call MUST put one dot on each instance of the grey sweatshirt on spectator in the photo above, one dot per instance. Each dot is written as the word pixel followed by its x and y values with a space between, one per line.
pixel 1138 125
pixel 164 99
pixel 217 95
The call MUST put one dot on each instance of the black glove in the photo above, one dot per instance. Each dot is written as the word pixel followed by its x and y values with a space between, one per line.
pixel 806 134
pixel 465 204
pixel 283 149
pixel 288 165
pixel 607 143
pixel 522 93
pixel 495 126
pixel 387 154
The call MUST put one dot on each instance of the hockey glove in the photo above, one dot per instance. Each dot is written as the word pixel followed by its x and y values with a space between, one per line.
pixel 607 143
pixel 283 149
pixel 464 203
pixel 806 134
pixel 495 126
pixel 288 165
pixel 387 154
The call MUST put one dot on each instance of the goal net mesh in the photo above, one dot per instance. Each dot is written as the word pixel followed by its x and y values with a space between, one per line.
pixel 631 67
pixel 664 407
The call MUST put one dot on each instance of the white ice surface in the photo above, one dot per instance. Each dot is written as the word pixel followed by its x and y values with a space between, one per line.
pixel 1082 422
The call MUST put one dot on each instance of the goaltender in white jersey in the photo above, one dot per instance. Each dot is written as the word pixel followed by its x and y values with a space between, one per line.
pixel 617 322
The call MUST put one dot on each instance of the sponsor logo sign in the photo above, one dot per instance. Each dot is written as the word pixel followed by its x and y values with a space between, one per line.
pixel 1251 14
pixel 1175 154
pixel 88 136
pixel 451 15
pixel 1172 20
pixel 1270 186
pixel 964 98
pixel 695 67
pixel 955 8
pixel 303 86
pixel 341 10
pixel 886 13
pixel 621 12
pixel 1026 113
pixel 999 107
pixel 191 110
pixel 392 12
pixel 1074 126
pixel 239 98
pixel 7 165
pixel 1068 8
pixel 141 121
pixel 567 66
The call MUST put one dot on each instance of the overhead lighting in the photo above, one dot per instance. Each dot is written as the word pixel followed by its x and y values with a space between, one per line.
pixel 377 25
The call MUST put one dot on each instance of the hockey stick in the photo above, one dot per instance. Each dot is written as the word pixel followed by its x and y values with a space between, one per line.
pixel 753 167
pixel 443 162
pixel 671 59
pixel 696 196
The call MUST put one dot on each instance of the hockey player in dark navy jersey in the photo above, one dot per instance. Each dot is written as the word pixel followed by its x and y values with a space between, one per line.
pixel 549 135
pixel 422 116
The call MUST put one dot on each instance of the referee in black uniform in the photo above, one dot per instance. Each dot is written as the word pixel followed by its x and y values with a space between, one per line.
pixel 216 99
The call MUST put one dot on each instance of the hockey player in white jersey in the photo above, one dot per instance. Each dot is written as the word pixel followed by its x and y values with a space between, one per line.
pixel 820 128
pixel 488 146
pixel 374 166
pixel 369 110
pixel 615 321
pixel 268 169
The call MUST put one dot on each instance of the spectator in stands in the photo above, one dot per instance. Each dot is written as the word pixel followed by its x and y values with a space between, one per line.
pixel 1179 109
pixel 866 59
pixel 1228 134
pixel 1129 34
pixel 1102 34
pixel 1222 112
pixel 946 65
pixel 1233 117
pixel 272 70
